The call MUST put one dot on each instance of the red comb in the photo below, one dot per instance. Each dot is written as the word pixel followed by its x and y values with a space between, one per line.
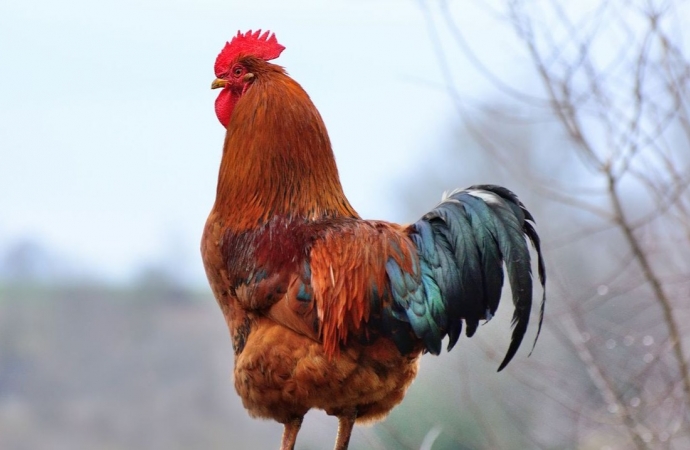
pixel 264 46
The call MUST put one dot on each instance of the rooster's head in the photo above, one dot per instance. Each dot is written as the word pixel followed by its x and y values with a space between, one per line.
pixel 236 67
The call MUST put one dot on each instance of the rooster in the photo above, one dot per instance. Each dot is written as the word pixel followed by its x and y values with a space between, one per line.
pixel 327 310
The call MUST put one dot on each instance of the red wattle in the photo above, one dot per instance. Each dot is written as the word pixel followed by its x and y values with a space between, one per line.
pixel 224 106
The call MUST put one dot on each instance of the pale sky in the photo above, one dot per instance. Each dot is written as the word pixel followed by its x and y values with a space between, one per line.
pixel 109 145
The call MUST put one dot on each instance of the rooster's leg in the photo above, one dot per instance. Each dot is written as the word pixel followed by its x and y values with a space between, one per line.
pixel 290 431
pixel 345 423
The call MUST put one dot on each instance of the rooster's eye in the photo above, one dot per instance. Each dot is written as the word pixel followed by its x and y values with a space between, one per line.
pixel 237 71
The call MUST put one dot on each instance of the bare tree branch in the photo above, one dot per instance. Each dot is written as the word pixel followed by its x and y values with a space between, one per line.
pixel 616 78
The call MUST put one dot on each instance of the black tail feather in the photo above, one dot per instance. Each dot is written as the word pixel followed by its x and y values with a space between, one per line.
pixel 463 244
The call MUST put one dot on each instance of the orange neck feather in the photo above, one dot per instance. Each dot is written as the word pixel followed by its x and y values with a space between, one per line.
pixel 277 158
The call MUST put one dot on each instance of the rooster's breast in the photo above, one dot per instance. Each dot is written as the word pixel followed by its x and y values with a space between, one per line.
pixel 282 374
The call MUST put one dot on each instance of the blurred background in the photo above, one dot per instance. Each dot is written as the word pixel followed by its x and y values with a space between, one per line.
pixel 109 151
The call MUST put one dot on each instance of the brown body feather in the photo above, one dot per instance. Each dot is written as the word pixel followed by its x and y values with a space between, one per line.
pixel 301 337
pixel 292 355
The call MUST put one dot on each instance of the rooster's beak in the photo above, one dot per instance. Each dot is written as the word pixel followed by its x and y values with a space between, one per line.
pixel 219 83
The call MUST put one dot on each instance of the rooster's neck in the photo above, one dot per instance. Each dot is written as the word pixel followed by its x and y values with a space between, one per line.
pixel 277 158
